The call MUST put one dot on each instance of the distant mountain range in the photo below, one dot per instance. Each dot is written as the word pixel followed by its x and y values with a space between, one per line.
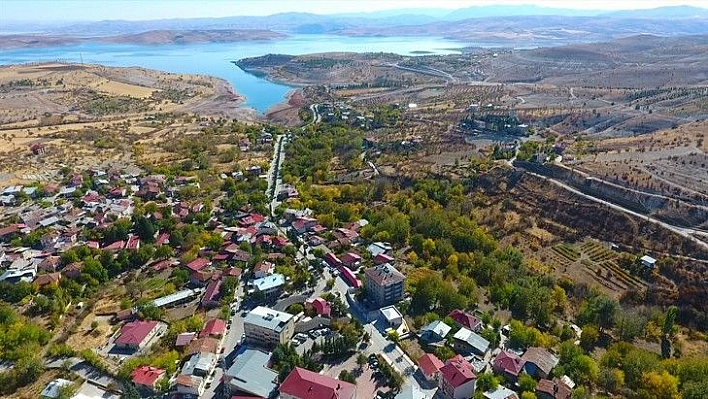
pixel 517 25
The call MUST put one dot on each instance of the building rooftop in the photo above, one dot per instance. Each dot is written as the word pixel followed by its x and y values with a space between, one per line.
pixel 135 332
pixel 542 358
pixel 52 389
pixel 306 384
pixel 472 339
pixel 457 371
pixel 146 375
pixel 384 274
pixel 437 328
pixel 430 364
pixel 269 282
pixel 268 318
pixel 172 298
pixel 391 313
pixel 501 392
pixel 250 373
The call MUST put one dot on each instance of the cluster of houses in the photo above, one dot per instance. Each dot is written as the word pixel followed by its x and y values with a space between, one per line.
pixel 456 377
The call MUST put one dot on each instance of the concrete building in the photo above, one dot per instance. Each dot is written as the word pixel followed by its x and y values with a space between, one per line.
pixel 470 342
pixel 267 327
pixel 384 285
pixel 457 379
pixel 269 286
pixel 53 389
pixel 393 317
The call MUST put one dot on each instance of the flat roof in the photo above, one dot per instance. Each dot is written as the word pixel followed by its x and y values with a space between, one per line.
pixel 267 318
pixel 391 312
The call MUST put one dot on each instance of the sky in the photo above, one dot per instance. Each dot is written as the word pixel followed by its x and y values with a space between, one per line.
pixel 96 10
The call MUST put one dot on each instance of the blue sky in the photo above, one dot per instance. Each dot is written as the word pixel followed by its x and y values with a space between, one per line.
pixel 93 10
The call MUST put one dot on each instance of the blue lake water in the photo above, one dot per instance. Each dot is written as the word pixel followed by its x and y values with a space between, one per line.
pixel 215 58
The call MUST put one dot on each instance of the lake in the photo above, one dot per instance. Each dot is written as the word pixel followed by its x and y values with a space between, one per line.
pixel 215 58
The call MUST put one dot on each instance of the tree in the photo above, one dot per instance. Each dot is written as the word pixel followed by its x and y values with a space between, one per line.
pixel 486 382
pixel 611 379
pixel 346 376
pixel 527 383
pixel 164 252
pixel 361 360
pixel 589 337
pixel 600 310
pixel 444 352
pixel 393 336
pixel 659 385
pixel 669 321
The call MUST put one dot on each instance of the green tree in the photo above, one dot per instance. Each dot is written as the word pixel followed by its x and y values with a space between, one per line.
pixel 527 383
pixel 346 376
pixel 669 321
pixel 486 382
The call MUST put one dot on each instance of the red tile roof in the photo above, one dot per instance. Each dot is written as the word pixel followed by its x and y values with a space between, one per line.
pixel 508 362
pixel 115 246
pixel 135 332
pixel 383 258
pixel 185 338
pixel 213 327
pixel 465 319
pixel 47 279
pixel 321 306
pixel 233 272
pixel 9 230
pixel 212 291
pixel 305 384
pixel 163 238
pixel 555 389
pixel 457 371
pixel 133 242
pixel 198 264
pixel 146 375
pixel 430 364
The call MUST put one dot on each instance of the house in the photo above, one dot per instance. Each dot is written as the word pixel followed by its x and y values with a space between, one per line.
pixel 136 334
pixel 430 366
pixel 267 327
pixel 393 317
pixel 133 243
pixel 45 280
pixel 263 269
pixel 351 260
pixel 190 385
pixel 306 384
pixel 470 342
pixel 269 286
pixel 200 364
pixel 214 328
pixel 249 374
pixel 382 258
pixel 184 339
pixel 73 270
pixel 146 377
pixel 539 362
pixel 211 295
pixel 555 389
pixel 509 365
pixel 500 392
pixel 384 284
pixel 457 379
pixel 198 264
pixel 176 298
pixel 466 320
pixel 379 248
pixel 435 332
pixel 115 246
pixel 202 345
pixel 647 261
pixel 201 278
pixel 319 305
pixel 53 389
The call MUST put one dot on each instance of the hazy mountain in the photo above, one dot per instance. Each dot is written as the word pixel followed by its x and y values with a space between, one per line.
pixel 662 12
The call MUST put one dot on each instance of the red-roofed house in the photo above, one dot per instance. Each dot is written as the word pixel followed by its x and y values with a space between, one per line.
pixel 430 366
pixel 162 239
pixel 509 365
pixel 321 307
pixel 466 320
pixel 332 259
pixel 305 384
pixel 73 270
pixel 147 377
pixel 351 260
pixel 263 269
pixel 136 334
pixel 457 379
pixel 184 339
pixel 198 264
pixel 382 258
pixel 47 279
pixel 211 294
pixel 214 328
pixel 133 243
pixel 232 272
pixel 116 246
pixel 280 242
pixel 201 278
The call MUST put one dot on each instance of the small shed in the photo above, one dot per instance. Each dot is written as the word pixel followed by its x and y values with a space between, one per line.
pixel 647 261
